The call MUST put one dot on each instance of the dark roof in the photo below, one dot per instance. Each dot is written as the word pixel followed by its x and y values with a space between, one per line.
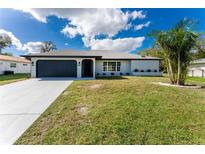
pixel 98 54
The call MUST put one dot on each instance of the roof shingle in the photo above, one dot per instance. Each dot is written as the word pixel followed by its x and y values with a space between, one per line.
pixel 14 59
pixel 100 54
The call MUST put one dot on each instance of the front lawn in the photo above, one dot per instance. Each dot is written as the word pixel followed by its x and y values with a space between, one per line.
pixel 6 79
pixel 130 110
pixel 196 80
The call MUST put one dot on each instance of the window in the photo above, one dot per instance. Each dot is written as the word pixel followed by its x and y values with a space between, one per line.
pixel 113 66
pixel 118 66
pixel 104 66
pixel 24 64
pixel 13 65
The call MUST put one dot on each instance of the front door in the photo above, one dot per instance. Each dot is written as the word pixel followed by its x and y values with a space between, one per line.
pixel 87 68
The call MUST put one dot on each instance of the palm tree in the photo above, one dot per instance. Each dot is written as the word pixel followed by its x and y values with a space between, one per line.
pixel 5 41
pixel 199 51
pixel 177 44
pixel 48 46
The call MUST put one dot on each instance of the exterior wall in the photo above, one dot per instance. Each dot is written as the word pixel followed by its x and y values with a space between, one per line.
pixel 125 67
pixel 197 70
pixel 79 65
pixel 20 68
pixel 145 65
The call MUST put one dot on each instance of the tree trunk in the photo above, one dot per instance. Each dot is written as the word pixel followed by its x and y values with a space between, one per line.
pixel 171 76
pixel 169 73
pixel 179 69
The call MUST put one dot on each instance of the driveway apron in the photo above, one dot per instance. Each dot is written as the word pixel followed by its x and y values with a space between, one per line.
pixel 21 103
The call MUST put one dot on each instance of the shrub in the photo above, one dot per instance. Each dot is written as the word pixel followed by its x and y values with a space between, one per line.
pixel 97 74
pixel 127 73
pixel 112 73
pixel 136 70
pixel 104 74
pixel 155 70
pixel 161 69
pixel 141 70
pixel 121 73
pixel 148 70
pixel 8 72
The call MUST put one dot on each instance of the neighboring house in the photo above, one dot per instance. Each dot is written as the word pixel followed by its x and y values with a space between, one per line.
pixel 15 64
pixel 80 64
pixel 197 68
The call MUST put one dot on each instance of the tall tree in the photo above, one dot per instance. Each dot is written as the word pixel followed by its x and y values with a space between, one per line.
pixel 199 51
pixel 5 41
pixel 177 44
pixel 48 46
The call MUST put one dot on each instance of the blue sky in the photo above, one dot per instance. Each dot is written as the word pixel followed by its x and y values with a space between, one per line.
pixel 89 29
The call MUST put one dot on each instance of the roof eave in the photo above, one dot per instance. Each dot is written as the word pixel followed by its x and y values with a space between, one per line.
pixel 59 56
pixel 131 59
pixel 85 56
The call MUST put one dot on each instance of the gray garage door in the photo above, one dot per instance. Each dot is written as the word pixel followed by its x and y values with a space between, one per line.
pixel 56 68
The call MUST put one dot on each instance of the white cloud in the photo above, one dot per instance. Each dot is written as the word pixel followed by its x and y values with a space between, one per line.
pixel 41 14
pixel 40 17
pixel 32 47
pixel 15 41
pixel 89 22
pixel 121 44
pixel 103 21
pixel 70 31
pixel 140 26
pixel 138 15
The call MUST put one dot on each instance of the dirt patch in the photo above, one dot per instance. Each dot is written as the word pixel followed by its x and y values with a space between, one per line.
pixel 81 109
pixel 95 86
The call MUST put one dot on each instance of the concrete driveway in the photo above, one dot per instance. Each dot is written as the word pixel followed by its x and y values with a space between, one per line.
pixel 21 103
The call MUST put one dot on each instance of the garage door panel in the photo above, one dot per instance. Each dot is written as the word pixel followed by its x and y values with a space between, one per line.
pixel 56 68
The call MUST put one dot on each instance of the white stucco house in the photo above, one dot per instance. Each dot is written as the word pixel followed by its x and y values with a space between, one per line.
pixel 89 64
pixel 15 64
pixel 197 68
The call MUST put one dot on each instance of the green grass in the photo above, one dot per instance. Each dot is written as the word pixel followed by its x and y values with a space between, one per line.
pixel 130 110
pixel 6 79
pixel 196 80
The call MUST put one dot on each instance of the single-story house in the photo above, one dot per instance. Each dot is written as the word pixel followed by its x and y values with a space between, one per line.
pixel 14 64
pixel 89 64
pixel 197 68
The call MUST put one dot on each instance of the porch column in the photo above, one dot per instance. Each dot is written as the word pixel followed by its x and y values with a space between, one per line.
pixel 93 68
pixel 33 68
pixel 79 68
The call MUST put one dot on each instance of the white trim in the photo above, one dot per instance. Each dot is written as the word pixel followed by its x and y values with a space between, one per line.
pixel 107 61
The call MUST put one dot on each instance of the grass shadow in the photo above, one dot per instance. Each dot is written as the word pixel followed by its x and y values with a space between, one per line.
pixel 56 79
pixel 111 78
